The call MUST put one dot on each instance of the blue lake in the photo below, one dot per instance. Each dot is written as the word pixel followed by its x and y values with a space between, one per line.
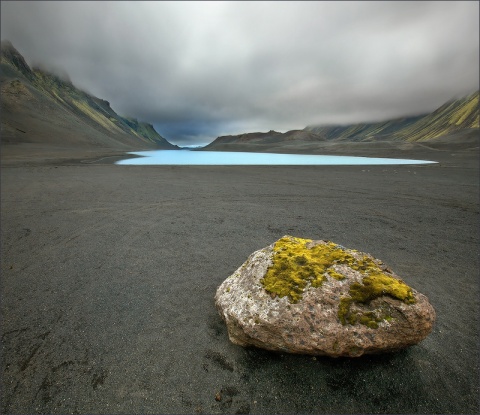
pixel 224 158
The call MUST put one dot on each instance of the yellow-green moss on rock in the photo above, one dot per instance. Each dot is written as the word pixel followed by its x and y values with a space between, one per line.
pixel 373 286
pixel 297 264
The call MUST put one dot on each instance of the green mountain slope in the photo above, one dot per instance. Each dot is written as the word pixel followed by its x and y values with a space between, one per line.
pixel 364 131
pixel 453 116
pixel 39 107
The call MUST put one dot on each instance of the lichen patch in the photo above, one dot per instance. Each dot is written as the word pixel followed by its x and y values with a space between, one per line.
pixel 373 286
pixel 298 264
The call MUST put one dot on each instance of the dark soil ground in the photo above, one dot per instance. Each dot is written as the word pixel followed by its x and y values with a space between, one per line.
pixel 109 274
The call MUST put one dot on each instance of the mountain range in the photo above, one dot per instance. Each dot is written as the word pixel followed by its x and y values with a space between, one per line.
pixel 457 119
pixel 38 107
pixel 42 108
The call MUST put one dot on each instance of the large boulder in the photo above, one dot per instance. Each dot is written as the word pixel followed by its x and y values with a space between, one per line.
pixel 319 298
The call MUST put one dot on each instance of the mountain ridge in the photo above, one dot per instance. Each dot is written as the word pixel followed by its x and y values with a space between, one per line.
pixel 40 107
pixel 455 116
pixel 44 108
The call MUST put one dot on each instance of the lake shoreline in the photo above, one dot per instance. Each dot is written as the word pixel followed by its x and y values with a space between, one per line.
pixel 237 158
pixel 446 153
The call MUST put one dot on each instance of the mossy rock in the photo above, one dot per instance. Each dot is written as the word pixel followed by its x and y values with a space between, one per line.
pixel 304 296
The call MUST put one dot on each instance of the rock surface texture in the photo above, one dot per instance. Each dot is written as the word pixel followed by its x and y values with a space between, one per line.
pixel 319 298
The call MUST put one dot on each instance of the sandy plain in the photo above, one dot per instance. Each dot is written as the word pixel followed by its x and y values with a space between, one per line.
pixel 109 274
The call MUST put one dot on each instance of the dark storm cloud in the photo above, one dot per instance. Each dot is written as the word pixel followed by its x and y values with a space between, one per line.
pixel 197 70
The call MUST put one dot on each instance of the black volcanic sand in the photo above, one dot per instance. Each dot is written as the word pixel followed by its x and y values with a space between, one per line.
pixel 109 275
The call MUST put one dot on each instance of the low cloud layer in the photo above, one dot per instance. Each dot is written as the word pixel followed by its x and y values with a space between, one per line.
pixel 197 70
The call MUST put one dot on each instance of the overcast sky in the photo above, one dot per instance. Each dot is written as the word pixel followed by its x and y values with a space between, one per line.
pixel 198 70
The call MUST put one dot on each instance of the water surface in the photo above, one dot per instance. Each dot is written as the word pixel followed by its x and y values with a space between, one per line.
pixel 224 158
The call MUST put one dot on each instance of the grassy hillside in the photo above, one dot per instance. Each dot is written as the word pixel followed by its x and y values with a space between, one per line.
pixel 39 107
pixel 453 116
pixel 364 131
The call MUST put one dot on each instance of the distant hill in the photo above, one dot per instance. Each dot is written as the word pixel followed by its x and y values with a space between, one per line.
pixel 270 137
pixel 456 119
pixel 42 108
